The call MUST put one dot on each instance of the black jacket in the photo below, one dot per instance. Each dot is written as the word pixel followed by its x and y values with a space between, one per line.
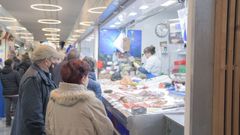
pixel 35 87
pixel 10 81
pixel 56 72
pixel 23 66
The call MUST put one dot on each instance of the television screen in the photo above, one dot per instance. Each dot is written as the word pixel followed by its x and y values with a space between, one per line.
pixel 112 39
pixel 106 41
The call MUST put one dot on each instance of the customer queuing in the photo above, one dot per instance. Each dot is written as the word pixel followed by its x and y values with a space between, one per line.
pixel 24 64
pixel 10 81
pixel 72 109
pixel 34 90
pixel 16 62
pixel 73 54
pixel 93 84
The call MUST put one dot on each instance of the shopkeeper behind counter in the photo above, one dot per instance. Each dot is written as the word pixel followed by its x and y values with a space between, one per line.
pixel 152 66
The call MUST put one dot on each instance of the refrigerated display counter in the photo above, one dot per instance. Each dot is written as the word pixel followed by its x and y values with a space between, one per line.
pixel 144 107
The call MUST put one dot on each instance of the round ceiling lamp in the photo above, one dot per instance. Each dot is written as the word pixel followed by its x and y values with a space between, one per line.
pixel 26 37
pixel 54 39
pixel 16 28
pixel 52 34
pixel 79 30
pixel 97 10
pixel 51 29
pixel 7 19
pixel 23 33
pixel 86 23
pixel 46 7
pixel 49 21
pixel 72 39
pixel 76 36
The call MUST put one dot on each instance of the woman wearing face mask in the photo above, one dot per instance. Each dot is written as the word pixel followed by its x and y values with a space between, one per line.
pixel 152 67
pixel 72 109
pixel 34 90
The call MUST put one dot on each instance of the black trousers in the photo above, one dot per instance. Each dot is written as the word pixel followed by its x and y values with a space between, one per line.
pixel 10 106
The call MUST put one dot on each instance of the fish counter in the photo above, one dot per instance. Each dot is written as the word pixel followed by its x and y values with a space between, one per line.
pixel 143 107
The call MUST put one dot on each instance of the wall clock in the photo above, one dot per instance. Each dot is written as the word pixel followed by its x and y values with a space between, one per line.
pixel 161 30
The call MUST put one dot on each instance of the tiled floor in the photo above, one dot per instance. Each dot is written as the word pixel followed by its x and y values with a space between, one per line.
pixel 3 129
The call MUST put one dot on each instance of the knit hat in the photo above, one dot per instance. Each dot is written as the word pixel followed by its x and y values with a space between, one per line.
pixel 43 52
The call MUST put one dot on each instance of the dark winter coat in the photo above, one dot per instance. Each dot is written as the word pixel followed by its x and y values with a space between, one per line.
pixel 23 67
pixel 10 81
pixel 56 73
pixel 35 87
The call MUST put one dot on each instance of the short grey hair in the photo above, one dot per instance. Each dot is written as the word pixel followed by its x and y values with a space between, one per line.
pixel 91 62
pixel 43 52
pixel 73 54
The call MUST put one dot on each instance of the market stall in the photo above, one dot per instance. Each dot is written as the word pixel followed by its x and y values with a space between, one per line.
pixel 140 99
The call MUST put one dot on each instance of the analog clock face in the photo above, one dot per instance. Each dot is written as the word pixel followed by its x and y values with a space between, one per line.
pixel 161 30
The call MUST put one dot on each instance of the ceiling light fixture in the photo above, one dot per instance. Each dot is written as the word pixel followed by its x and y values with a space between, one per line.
pixel 132 14
pixel 121 18
pixel 26 37
pixel 16 28
pixel 97 10
pixel 23 33
pixel 168 3
pixel 112 26
pixel 86 23
pixel 51 29
pixel 79 30
pixel 52 38
pixel 52 34
pixel 49 21
pixel 7 19
pixel 143 7
pixel 88 39
pixel 72 39
pixel 173 20
pixel 75 36
pixel 117 23
pixel 46 7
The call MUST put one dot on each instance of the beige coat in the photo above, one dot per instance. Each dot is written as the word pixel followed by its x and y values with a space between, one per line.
pixel 73 110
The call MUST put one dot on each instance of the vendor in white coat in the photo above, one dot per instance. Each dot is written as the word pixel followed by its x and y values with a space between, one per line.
pixel 152 66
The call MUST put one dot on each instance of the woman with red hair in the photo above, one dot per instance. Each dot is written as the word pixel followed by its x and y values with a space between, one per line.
pixel 74 110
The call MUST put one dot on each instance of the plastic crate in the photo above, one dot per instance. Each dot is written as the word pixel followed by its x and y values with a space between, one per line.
pixel 180 62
